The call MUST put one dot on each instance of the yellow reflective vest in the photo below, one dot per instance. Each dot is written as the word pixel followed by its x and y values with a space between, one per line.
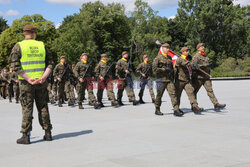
pixel 33 58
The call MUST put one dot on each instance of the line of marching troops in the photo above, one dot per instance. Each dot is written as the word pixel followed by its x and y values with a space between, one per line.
pixel 172 72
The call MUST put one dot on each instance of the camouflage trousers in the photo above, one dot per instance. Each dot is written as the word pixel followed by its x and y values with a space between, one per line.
pixel 149 83
pixel 69 89
pixel 208 86
pixel 127 84
pixel 10 91
pixel 64 86
pixel 16 91
pixel 29 94
pixel 187 86
pixel 80 89
pixel 108 85
pixel 3 90
pixel 50 92
pixel 169 86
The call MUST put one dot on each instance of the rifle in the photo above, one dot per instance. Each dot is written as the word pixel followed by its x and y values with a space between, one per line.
pixel 86 71
pixel 148 70
pixel 107 71
pixel 129 65
pixel 64 71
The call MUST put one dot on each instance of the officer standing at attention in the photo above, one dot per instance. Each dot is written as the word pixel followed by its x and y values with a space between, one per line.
pixel 201 61
pixel 163 68
pixel 33 65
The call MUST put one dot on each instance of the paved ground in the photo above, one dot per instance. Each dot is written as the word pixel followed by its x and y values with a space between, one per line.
pixel 133 136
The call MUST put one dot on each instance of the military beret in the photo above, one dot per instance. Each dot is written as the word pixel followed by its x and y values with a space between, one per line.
pixel 62 57
pixel 165 45
pixel 199 45
pixel 29 28
pixel 125 52
pixel 103 55
pixel 183 49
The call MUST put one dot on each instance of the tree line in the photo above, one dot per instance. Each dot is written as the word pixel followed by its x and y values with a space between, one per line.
pixel 98 28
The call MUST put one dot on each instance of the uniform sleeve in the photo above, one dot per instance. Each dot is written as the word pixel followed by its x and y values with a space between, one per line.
pixel 97 70
pixel 14 59
pixel 55 72
pixel 156 68
pixel 76 71
pixel 138 69
pixel 195 60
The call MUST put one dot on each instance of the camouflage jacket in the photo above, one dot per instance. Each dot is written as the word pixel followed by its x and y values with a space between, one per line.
pixel 120 68
pixel 183 72
pixel 101 69
pixel 203 63
pixel 80 69
pixel 163 68
pixel 13 76
pixel 59 69
pixel 142 69
pixel 16 55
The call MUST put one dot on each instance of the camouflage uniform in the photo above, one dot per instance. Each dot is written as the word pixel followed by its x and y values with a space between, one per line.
pixel 100 70
pixel 163 68
pixel 4 84
pixel 30 93
pixel 50 81
pixel 13 79
pixel 142 69
pixel 183 80
pixel 124 81
pixel 202 79
pixel 64 84
pixel 79 70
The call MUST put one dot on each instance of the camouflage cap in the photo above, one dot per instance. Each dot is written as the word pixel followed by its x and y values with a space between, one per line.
pixel 84 54
pixel 29 28
pixel 103 55
pixel 183 49
pixel 124 52
pixel 62 57
pixel 165 45
pixel 199 45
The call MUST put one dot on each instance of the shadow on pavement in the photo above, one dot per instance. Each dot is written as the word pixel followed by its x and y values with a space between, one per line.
pixel 66 135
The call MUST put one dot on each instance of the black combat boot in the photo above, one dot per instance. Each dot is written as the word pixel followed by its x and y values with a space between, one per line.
pixel 153 100
pixel 47 136
pixel 114 103
pixel 97 105
pixel 158 111
pixel 60 103
pixel 141 101
pixel 178 113
pixel 120 102
pixel 197 110
pixel 135 102
pixel 17 101
pixel 10 101
pixel 80 106
pixel 25 139
pixel 101 104
pixel 52 101
pixel 219 106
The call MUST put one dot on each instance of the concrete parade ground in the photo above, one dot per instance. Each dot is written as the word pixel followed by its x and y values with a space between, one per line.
pixel 132 136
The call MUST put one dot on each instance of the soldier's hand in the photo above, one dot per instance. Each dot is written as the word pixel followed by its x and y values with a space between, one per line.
pixel 101 78
pixel 31 81
pixel 143 75
pixel 127 71
pixel 41 80
pixel 81 80
pixel 59 79
pixel 16 81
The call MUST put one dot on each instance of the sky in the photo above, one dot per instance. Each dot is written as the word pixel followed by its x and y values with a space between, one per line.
pixel 56 10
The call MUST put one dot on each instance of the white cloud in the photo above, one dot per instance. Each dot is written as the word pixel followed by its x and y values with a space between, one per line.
pixel 58 25
pixel 172 17
pixel 9 13
pixel 5 1
pixel 159 4
pixel 242 2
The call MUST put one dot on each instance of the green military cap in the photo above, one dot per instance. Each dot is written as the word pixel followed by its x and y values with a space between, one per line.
pixel 29 28
pixel 103 55
pixel 62 57
pixel 183 49
pixel 125 52
pixel 199 45
pixel 165 45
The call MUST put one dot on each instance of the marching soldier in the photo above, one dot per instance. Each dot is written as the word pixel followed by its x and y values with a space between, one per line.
pixel 125 81
pixel 69 87
pixel 84 82
pixel 103 73
pixel 201 61
pixel 145 70
pixel 15 82
pixel 4 83
pixel 163 68
pixel 29 59
pixel 183 80
pixel 61 73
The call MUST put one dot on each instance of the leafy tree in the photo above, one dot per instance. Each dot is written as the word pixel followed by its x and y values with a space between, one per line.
pixel 46 32
pixel 3 24
pixel 97 29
